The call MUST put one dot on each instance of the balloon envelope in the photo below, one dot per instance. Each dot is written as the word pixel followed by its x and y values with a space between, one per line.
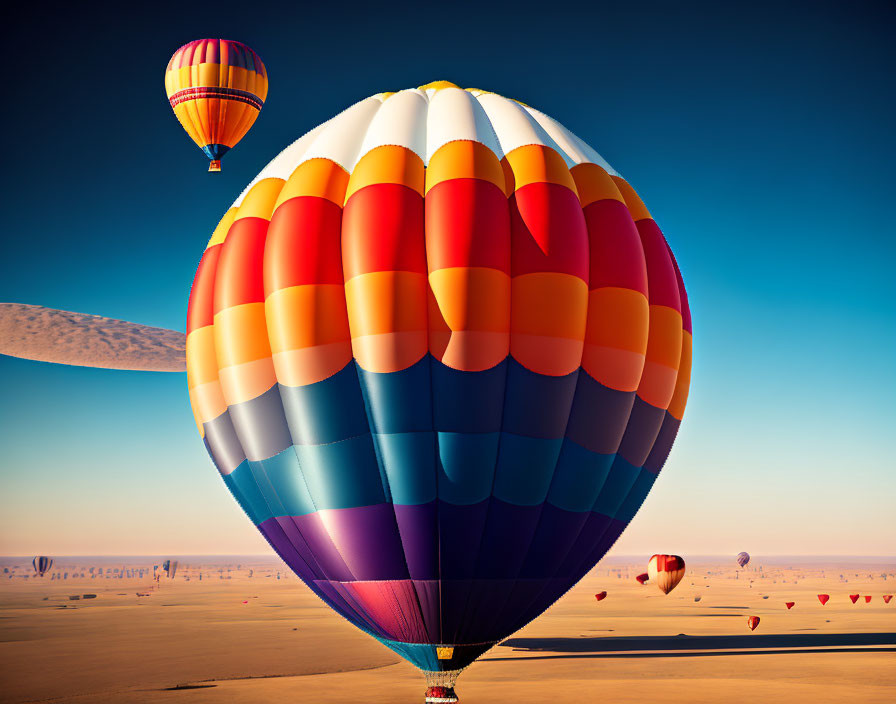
pixel 823 598
pixel 600 596
pixel 742 559
pixel 436 464
pixel 868 599
pixel 789 604
pixel 666 571
pixel 642 578
pixel 42 564
pixel 216 88
pixel 854 598
pixel 887 598
pixel 752 622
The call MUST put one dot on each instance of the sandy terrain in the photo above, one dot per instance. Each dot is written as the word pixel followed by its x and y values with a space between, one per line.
pixel 195 641
pixel 50 335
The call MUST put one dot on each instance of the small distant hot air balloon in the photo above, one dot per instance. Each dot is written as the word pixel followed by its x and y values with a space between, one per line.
pixel 600 596
pixel 887 598
pixel 752 622
pixel 666 571
pixel 42 564
pixel 868 599
pixel 742 559
pixel 823 598
pixel 642 578
pixel 789 604
pixel 853 598
pixel 216 88
pixel 697 598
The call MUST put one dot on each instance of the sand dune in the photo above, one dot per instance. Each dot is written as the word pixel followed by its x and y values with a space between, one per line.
pixel 59 336
pixel 235 638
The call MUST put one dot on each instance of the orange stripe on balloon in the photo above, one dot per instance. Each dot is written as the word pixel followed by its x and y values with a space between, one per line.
pixel 613 367
pixel 208 401
pixel 465 159
pixel 664 342
pixel 548 314
pixel 320 177
pixel 389 352
pixel 310 365
pixel 260 200
pixel 683 381
pixel 618 317
pixel 469 350
pixel 387 164
pixel 635 205
pixel 594 184
pixel 243 382
pixel 241 335
pixel 385 302
pixel 306 316
pixel 535 163
pixel 202 362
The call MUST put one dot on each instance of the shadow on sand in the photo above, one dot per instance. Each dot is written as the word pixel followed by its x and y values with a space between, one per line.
pixel 750 644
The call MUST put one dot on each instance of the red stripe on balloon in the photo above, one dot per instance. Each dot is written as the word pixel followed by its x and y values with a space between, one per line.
pixel 239 277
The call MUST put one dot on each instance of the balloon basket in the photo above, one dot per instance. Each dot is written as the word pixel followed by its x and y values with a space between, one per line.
pixel 214 166
pixel 440 687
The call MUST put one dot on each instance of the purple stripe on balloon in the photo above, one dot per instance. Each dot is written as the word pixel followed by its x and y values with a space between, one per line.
pixel 366 537
pixel 284 537
pixel 556 533
pixel 642 430
pixel 419 530
pixel 663 445
pixel 460 534
pixel 314 534
pixel 508 532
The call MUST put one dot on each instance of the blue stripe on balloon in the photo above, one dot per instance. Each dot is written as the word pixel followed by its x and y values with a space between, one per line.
pixel 326 411
pixel 409 461
pixel 466 466
pixel 578 478
pixel 398 402
pixel 536 405
pixel 525 468
pixel 244 489
pixel 342 474
pixel 468 402
pixel 619 482
pixel 636 496
pixel 282 484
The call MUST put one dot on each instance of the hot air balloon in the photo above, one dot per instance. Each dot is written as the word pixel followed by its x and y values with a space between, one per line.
pixel 666 571
pixel 642 578
pixel 887 598
pixel 697 598
pixel 854 598
pixel 823 598
pixel 743 559
pixel 42 564
pixel 752 622
pixel 789 604
pixel 422 353
pixel 216 88
pixel 867 599
pixel 600 596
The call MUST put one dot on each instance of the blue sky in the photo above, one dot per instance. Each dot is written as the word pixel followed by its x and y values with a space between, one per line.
pixel 761 137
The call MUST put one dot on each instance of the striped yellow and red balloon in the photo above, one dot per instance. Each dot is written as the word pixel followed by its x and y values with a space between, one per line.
pixel 666 571
pixel 216 87
pixel 439 351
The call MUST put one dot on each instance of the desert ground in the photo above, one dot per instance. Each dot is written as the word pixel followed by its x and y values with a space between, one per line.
pixel 232 637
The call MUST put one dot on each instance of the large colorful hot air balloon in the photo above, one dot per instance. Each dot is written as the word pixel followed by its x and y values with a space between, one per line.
pixel 439 351
pixel 216 88
pixel 743 559
pixel 42 564
pixel 666 571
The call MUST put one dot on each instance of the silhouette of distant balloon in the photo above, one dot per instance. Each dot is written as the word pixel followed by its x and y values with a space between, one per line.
pixel 867 599
pixel 887 598
pixel 823 598
pixel 642 578
pixel 600 596
pixel 789 604
pixel 752 622
pixel 742 559
pixel 42 564
pixel 854 598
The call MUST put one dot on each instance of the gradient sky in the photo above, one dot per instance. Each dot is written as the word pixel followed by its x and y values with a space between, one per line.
pixel 761 137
